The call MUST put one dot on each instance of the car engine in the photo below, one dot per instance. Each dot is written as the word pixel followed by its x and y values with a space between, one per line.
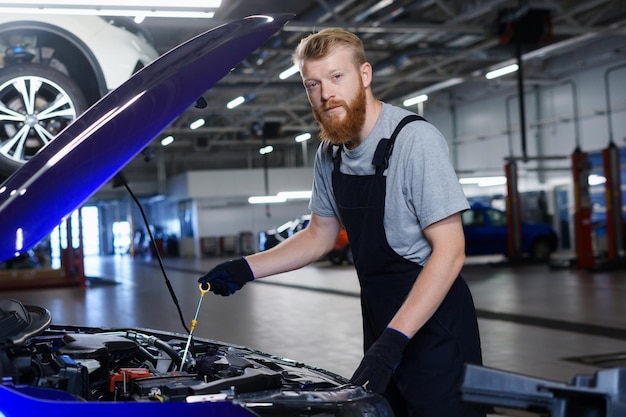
pixel 129 365
pixel 86 364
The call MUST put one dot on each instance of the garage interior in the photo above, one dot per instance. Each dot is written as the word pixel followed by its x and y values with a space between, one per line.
pixel 545 129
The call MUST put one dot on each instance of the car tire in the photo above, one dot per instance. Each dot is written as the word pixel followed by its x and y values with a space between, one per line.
pixel 336 257
pixel 349 257
pixel 541 249
pixel 36 103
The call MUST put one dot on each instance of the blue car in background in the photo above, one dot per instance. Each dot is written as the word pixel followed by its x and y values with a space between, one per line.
pixel 486 233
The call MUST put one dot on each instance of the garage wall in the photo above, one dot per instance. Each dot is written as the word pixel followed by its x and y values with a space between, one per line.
pixel 232 220
pixel 218 202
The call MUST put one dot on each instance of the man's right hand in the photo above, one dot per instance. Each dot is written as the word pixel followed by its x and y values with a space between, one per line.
pixel 228 277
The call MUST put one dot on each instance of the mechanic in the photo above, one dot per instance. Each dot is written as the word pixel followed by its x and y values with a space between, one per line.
pixel 401 205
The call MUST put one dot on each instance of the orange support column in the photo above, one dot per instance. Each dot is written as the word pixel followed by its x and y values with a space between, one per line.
pixel 72 258
pixel 613 198
pixel 513 211
pixel 581 167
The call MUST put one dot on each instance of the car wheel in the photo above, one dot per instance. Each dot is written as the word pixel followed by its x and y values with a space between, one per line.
pixel 541 248
pixel 36 103
pixel 349 257
pixel 336 257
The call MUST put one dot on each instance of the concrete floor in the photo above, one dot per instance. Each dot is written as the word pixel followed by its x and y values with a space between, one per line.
pixel 533 319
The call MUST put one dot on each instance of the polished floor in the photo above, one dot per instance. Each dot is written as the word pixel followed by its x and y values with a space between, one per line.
pixel 533 319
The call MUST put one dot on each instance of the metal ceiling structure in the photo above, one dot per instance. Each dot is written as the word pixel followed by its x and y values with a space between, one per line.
pixel 413 46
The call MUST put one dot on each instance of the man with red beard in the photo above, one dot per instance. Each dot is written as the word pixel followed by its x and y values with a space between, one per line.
pixel 383 173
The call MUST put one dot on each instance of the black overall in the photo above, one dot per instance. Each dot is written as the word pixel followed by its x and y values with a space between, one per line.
pixel 427 380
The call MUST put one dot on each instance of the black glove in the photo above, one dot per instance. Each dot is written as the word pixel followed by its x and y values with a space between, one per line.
pixel 228 277
pixel 381 360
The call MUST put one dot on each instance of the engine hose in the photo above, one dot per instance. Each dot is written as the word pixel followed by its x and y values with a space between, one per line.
pixel 154 341
pixel 164 346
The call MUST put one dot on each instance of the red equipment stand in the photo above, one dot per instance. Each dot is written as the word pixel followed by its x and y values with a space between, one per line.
pixel 513 211
pixel 72 258
pixel 583 231
pixel 71 273
pixel 613 199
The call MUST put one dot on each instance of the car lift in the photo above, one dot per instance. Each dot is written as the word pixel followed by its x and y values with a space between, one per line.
pixel 581 168
pixel 585 254
pixel 613 198
pixel 514 211
pixel 583 231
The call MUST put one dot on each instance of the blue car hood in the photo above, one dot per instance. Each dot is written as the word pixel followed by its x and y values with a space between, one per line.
pixel 91 150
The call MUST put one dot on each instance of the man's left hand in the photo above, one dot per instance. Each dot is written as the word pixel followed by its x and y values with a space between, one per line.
pixel 381 360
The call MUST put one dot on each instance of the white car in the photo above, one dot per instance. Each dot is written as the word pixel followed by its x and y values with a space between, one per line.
pixel 52 67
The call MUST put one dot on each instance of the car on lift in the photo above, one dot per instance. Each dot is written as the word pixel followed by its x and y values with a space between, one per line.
pixel 52 68
pixel 55 369
pixel 486 233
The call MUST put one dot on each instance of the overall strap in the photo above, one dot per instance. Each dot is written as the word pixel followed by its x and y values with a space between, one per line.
pixel 385 146
pixel 334 151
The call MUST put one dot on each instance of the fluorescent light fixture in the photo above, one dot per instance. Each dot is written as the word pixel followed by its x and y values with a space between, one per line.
pixel 595 179
pixel 415 100
pixel 167 140
pixel 266 149
pixel 432 88
pixel 303 137
pixel 295 195
pixel 235 102
pixel 443 84
pixel 158 8
pixel 281 197
pixel 289 72
pixel 483 181
pixel 197 124
pixel 501 71
pixel 99 4
pixel 266 199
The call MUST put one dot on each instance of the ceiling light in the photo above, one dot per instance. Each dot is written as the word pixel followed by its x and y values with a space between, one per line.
pixel 196 124
pixel 501 71
pixel 167 140
pixel 266 199
pixel 281 197
pixel 162 8
pixel 235 102
pixel 288 72
pixel 415 100
pixel 303 137
pixel 484 181
pixel 595 179
pixel 435 87
pixel 295 195
pixel 148 4
pixel 266 149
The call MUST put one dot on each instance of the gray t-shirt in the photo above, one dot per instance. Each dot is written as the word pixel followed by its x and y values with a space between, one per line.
pixel 422 187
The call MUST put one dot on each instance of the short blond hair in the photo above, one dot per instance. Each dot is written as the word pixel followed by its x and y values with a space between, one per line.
pixel 320 44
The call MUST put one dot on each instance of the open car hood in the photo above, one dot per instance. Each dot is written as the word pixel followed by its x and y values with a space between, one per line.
pixel 91 150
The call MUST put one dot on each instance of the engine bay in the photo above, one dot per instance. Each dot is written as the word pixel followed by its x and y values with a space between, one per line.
pixel 132 365
pixel 44 365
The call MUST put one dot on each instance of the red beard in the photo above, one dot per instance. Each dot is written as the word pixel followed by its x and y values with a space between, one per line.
pixel 340 131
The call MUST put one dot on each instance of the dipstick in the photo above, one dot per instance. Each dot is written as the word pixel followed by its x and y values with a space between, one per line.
pixel 204 288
